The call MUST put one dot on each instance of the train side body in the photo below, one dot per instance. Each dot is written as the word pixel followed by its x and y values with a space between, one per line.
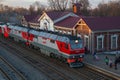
pixel 66 47
pixel 4 30
pixel 70 48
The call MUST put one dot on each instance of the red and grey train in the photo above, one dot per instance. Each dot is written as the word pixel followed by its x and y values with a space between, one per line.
pixel 65 47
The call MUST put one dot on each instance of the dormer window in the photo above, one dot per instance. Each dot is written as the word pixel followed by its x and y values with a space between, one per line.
pixel 45 26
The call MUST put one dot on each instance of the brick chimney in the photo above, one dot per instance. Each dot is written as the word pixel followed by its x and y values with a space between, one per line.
pixel 77 8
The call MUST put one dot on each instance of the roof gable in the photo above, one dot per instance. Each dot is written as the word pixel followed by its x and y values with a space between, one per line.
pixel 43 16
pixel 68 22
pixel 70 14
pixel 56 14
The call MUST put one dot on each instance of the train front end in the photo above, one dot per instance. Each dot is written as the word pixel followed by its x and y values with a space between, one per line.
pixel 76 54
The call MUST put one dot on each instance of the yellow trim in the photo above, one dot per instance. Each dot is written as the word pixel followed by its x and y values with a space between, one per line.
pixel 82 24
pixel 63 28
pixel 86 25
pixel 43 16
pixel 34 23
pixel 77 23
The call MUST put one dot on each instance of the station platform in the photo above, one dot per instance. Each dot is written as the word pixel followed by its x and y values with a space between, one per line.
pixel 100 65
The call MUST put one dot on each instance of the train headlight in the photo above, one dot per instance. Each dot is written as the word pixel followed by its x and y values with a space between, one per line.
pixel 76 41
pixel 81 56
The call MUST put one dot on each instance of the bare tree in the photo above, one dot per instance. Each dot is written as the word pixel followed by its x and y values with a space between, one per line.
pixel 36 8
pixel 111 8
pixel 60 5
pixel 21 11
pixel 40 7
pixel 84 8
pixel 85 3
pixel 31 9
pixel 1 0
pixel 52 4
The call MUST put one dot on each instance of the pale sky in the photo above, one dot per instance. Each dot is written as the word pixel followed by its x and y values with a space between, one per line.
pixel 26 3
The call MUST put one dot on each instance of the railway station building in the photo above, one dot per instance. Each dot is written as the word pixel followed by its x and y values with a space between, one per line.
pixel 105 34
pixel 31 21
pixel 101 34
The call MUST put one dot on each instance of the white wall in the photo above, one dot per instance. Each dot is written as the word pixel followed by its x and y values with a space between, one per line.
pixel 48 21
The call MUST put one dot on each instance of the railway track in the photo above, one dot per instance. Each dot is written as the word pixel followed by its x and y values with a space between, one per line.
pixel 50 72
pixel 78 74
pixel 9 72
pixel 4 75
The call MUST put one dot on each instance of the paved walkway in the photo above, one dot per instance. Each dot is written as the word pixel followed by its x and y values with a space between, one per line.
pixel 101 63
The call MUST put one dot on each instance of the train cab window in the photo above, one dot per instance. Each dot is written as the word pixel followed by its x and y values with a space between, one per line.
pixel 75 44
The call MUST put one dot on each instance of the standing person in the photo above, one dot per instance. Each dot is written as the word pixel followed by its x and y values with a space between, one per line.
pixel 95 56
pixel 86 50
pixel 110 63
pixel 106 60
pixel 117 60
pixel 115 64
pixel 116 55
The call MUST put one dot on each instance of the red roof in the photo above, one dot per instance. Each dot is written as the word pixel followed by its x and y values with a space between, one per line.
pixel 103 23
pixel 69 22
pixel 56 14
pixel 32 18
pixel 35 20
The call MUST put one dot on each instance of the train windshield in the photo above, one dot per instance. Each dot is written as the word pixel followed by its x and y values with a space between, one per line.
pixel 76 44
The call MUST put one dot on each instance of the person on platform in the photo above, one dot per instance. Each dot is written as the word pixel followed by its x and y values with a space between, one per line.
pixel 106 60
pixel 95 56
pixel 110 63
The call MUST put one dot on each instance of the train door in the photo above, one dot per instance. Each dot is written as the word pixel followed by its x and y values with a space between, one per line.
pixel 64 47
pixel 6 32
pixel 0 30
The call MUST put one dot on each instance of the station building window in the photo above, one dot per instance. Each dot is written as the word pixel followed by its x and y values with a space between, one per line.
pixel 114 39
pixel 100 41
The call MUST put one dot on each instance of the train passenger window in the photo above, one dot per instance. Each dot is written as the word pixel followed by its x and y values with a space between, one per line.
pixel 52 41
pixel 44 38
pixel 35 36
pixel 19 32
